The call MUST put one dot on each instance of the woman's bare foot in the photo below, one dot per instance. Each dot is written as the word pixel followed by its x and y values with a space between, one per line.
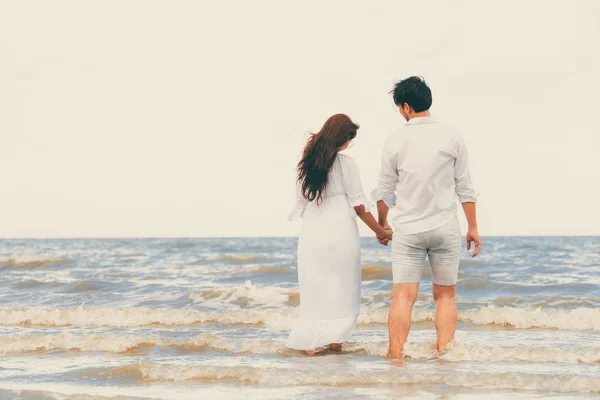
pixel 310 352
pixel 335 346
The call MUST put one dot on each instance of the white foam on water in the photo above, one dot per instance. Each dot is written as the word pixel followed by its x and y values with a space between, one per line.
pixel 249 294
pixel 60 391
pixel 123 343
pixel 167 391
pixel 580 319
pixel 139 316
pixel 335 377
pixel 110 343
pixel 18 366
pixel 456 351
pixel 63 391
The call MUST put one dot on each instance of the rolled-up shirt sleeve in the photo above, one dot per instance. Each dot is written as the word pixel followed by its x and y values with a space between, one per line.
pixel 388 177
pixel 462 178
pixel 352 183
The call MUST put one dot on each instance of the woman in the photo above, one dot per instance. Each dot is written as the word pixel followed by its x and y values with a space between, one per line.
pixel 329 197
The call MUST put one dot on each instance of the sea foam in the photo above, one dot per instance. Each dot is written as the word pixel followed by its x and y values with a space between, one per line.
pixel 581 319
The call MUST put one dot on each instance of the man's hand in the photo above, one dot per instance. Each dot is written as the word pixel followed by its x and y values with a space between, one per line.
pixel 384 240
pixel 382 213
pixel 473 236
pixel 385 225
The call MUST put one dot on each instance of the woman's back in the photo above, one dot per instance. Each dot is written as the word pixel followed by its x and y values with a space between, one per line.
pixel 342 192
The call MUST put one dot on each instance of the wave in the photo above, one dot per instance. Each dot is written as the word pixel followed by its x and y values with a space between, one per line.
pixel 537 301
pixel 42 394
pixel 271 269
pixel 375 272
pixel 109 343
pixel 130 344
pixel 58 391
pixel 34 283
pixel 133 344
pixel 371 272
pixel 475 283
pixel 31 261
pixel 141 317
pixel 580 319
pixel 66 287
pixel 241 258
pixel 284 377
pixel 245 296
pixel 459 351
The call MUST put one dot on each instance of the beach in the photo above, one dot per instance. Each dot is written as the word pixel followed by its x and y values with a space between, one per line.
pixel 208 318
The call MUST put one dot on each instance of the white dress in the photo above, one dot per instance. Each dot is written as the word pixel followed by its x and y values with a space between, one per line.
pixel 329 268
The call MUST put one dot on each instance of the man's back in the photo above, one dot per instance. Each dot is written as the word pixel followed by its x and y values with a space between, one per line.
pixel 426 164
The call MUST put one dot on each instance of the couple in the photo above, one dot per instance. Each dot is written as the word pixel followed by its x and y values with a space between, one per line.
pixel 424 168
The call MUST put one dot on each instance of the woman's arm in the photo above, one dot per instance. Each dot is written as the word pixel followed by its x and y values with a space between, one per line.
pixel 356 196
pixel 372 223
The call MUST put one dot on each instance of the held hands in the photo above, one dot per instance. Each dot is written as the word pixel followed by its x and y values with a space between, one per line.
pixel 473 236
pixel 385 237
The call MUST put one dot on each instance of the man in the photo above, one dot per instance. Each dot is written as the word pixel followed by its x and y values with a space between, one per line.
pixel 426 165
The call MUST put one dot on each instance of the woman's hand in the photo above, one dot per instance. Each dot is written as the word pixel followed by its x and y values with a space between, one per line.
pixel 382 232
pixel 385 237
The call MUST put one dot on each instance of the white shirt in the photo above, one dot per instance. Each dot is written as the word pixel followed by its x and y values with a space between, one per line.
pixel 426 164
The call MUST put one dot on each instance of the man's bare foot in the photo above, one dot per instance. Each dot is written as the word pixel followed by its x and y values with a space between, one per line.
pixel 310 352
pixel 395 353
pixel 335 346
pixel 443 348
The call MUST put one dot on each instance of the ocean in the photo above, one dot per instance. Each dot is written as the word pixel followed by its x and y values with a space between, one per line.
pixel 208 318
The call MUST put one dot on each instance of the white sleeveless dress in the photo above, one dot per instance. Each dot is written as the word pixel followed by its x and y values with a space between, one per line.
pixel 329 267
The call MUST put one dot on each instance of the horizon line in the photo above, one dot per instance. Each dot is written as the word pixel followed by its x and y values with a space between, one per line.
pixel 254 237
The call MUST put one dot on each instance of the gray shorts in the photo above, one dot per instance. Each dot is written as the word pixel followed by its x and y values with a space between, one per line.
pixel 442 245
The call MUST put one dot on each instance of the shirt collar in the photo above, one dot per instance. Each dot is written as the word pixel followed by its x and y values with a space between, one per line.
pixel 422 120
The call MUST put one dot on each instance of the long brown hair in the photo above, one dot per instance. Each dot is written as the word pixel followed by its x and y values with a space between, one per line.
pixel 320 153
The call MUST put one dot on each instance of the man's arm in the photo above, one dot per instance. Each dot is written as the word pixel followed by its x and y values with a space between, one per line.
pixel 382 212
pixel 472 233
pixel 466 194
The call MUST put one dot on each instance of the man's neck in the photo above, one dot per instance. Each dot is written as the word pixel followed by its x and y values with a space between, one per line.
pixel 421 114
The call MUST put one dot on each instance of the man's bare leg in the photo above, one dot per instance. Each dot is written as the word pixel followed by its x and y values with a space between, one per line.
pixel 404 296
pixel 445 314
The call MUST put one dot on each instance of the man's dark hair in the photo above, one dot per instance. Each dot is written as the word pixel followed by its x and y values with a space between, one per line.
pixel 413 91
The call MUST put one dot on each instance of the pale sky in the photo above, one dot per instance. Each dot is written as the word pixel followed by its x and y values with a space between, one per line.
pixel 186 118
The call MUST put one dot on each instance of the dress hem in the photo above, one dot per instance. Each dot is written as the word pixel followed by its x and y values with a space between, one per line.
pixel 311 334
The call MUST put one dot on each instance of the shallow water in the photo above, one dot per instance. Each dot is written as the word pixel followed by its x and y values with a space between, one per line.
pixel 208 318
